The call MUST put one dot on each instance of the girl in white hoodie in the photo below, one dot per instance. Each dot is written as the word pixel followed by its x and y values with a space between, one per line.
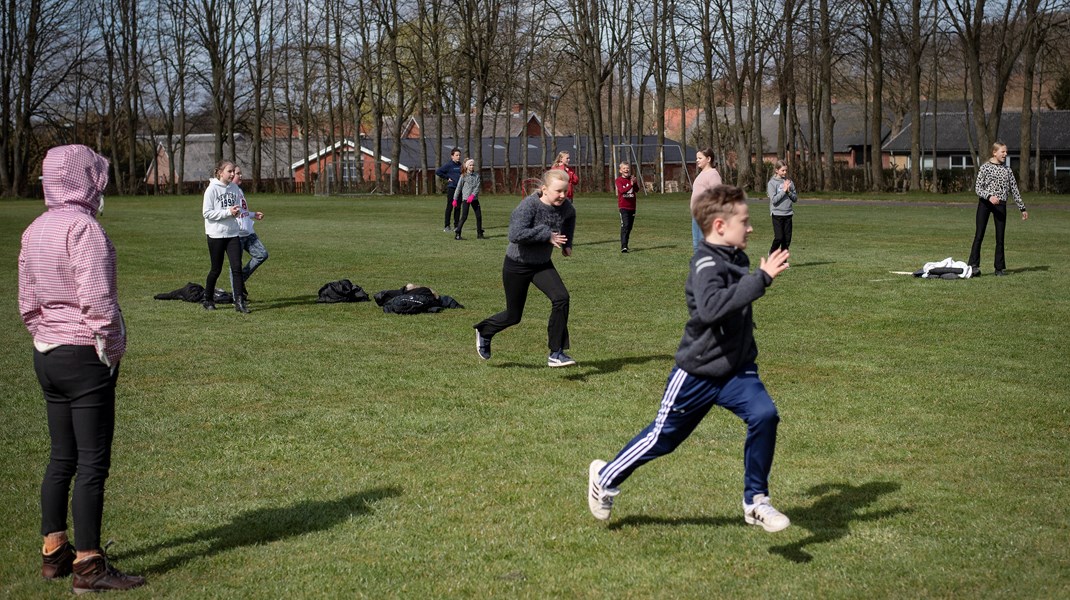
pixel 221 208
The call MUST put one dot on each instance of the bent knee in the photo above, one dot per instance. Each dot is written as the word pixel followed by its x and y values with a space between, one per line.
pixel 765 416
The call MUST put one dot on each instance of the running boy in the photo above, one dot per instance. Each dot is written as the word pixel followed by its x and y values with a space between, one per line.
pixel 714 363
pixel 626 204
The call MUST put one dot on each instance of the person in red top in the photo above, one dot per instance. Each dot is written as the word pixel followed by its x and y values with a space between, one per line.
pixel 561 162
pixel 69 303
pixel 626 184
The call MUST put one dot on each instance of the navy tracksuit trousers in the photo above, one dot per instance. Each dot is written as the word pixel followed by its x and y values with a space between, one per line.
pixel 685 403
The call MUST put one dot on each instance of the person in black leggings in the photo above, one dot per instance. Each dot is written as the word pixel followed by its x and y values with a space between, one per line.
pixel 995 183
pixel 221 209
pixel 541 222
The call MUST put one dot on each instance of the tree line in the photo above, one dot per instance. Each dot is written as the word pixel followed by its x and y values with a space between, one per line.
pixel 114 74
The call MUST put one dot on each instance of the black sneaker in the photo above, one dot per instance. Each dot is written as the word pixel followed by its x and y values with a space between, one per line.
pixel 94 574
pixel 624 250
pixel 58 564
pixel 1000 273
pixel 482 346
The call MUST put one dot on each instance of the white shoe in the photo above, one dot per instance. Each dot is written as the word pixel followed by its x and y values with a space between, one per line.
pixel 762 513
pixel 599 500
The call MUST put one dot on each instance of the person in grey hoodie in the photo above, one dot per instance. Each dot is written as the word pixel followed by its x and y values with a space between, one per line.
pixel 782 197
pixel 220 209
pixel 468 195
pixel 541 222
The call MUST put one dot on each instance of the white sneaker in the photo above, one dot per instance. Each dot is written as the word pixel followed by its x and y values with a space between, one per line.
pixel 599 500
pixel 762 513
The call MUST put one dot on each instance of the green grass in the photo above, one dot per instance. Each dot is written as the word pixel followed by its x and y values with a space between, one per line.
pixel 313 450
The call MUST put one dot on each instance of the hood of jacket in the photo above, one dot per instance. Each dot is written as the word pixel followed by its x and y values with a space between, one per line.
pixel 74 177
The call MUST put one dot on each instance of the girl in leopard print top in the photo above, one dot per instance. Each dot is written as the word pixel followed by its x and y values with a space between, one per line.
pixel 995 182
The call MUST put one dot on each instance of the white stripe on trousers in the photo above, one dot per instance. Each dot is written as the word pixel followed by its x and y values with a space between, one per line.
pixel 626 459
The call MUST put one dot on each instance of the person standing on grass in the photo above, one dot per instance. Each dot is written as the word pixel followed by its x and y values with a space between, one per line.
pixel 247 237
pixel 782 198
pixel 995 182
pixel 562 163
pixel 707 179
pixel 68 301
pixel 451 172
pixel 221 210
pixel 714 363
pixel 468 195
pixel 626 203
pixel 541 222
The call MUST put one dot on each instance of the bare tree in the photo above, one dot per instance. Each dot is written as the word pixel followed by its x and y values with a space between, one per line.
pixel 991 39
pixel 914 32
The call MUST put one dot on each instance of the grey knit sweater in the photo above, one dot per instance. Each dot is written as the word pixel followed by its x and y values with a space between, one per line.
pixel 530 226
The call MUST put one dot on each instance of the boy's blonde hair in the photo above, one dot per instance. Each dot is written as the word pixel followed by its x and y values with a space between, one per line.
pixel 718 201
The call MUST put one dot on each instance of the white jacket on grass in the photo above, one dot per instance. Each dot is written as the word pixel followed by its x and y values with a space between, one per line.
pixel 948 263
pixel 218 200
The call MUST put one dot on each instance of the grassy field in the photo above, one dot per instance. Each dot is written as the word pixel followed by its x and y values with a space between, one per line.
pixel 311 450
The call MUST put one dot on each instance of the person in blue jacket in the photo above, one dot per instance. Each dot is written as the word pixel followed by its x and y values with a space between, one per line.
pixel 451 172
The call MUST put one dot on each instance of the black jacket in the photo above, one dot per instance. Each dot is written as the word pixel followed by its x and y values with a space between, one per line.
pixel 719 336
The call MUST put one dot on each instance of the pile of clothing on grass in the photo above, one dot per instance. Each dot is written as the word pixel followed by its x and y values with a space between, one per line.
pixel 948 268
pixel 412 299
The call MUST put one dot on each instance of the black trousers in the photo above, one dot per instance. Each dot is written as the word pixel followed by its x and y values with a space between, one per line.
pixel 456 210
pixel 781 232
pixel 231 247
pixel 627 219
pixel 464 216
pixel 999 215
pixel 79 395
pixel 516 278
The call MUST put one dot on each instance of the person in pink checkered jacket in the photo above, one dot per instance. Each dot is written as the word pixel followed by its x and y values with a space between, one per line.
pixel 69 303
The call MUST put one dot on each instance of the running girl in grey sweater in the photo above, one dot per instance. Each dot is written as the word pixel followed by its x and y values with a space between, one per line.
pixel 541 222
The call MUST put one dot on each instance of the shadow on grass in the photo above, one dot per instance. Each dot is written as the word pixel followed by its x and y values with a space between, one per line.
pixel 1028 269
pixel 282 302
pixel 645 248
pixel 643 521
pixel 816 263
pixel 265 525
pixel 830 517
pixel 594 367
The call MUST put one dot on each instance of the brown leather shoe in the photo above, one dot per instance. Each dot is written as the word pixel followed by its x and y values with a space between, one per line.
pixel 57 564
pixel 94 574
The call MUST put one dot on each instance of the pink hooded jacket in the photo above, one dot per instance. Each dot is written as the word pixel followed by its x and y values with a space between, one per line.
pixel 67 274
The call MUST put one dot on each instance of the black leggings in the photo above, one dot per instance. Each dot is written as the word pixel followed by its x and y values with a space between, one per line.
pixel 217 247
pixel 781 232
pixel 517 277
pixel 79 395
pixel 999 215
pixel 450 208
pixel 464 216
